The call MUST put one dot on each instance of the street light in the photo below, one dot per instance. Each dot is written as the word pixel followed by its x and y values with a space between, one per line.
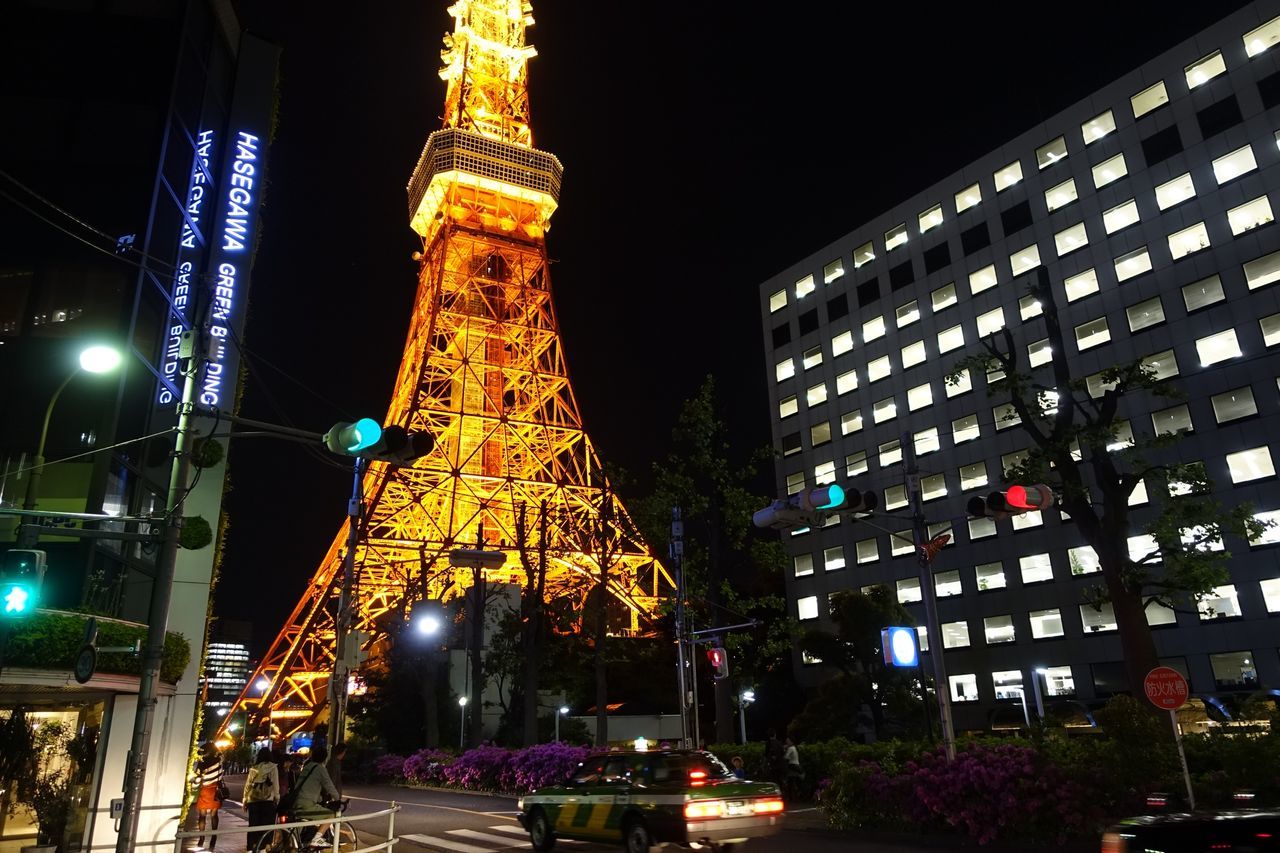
pixel 262 684
pixel 462 734
pixel 559 712
pixel 94 359
pixel 745 698
pixel 427 618
pixel 1036 674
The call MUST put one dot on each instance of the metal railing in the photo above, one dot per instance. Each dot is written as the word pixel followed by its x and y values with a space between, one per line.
pixel 387 844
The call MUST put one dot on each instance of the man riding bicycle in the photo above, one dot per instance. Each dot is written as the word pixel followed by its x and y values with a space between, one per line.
pixel 317 795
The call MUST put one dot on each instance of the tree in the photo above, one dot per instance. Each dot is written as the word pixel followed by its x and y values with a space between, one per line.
pixel 1094 459
pixel 531 610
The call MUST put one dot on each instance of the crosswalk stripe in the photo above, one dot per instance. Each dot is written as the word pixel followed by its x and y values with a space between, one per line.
pixel 510 829
pixel 447 844
pixel 481 836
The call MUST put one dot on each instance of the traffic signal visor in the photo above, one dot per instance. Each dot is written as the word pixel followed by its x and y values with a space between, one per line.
pixel 351 438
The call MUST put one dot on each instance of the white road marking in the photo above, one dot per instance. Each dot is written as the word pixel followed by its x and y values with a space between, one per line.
pixel 447 844
pixel 508 828
pixel 482 836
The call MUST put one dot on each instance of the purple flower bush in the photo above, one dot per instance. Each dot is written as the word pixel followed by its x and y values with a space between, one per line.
pixel 389 766
pixel 541 765
pixel 479 769
pixel 426 766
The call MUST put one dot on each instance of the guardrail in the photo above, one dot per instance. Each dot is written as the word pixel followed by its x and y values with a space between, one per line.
pixel 337 819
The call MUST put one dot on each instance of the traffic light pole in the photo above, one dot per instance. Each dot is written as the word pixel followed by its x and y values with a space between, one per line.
pixel 921 535
pixel 677 562
pixel 342 625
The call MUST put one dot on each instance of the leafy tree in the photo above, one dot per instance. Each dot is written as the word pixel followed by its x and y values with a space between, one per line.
pixel 1093 458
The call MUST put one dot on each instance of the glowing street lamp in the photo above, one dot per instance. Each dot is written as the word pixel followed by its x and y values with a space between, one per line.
pixel 262 684
pixel 462 732
pixel 745 698
pixel 561 711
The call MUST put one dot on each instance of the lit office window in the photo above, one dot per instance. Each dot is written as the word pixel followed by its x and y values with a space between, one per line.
pixel 1164 364
pixel 909 591
pixel 1271 594
pixel 968 197
pixel 884 410
pixel 1173 420
pixel 788 406
pixel 804 287
pixel 982 279
pixel 815 395
pixel 895 497
pixel 1203 293
pixel 919 397
pixel 955 635
pixel 990 576
pixel 1058 681
pixel 1008 176
pixel 1143 547
pixel 1259 40
pixel 1121 216
pixel 1188 240
pixel 1007 682
pixel 807 607
pixel 1200 538
pixel 1097 127
pixel 964 688
pixel 1219 603
pixel 1262 271
pixel 981 528
pixel 1060 195
pixel 803 565
pixel 895 237
pixel 777 301
pixel 1096 386
pixel 1052 152
pixel 1109 171
pixel 1203 70
pixel 1084 560
pixel 1250 215
pixel 1097 618
pixel 1024 259
pixel 943 297
pixel 833 271
pixel 1234 405
pixel 824 473
pixel 901 544
pixel 1081 285
pixel 973 476
pixel 1158 614
pixel 1123 436
pixel 855 464
pixel 795 483
pixel 965 429
pixel 833 559
pixel 1145 314
pixel 991 321
pixel 1220 347
pixel 846 382
pixel 1070 238
pixel 962 384
pixel 1035 568
pixel 947 584
pixel 863 254
pixel 1132 264
pixel 1138 497
pixel 811 358
pixel 890 453
pixel 1233 165
pixel 851 422
pixel 913 354
pixel 1149 99
pixel 1271 535
pixel 1252 464
pixel 926 441
pixel 878 369
pixel 1005 416
pixel 873 329
pixel 949 339
pixel 1045 623
pixel 907 314
pixel 820 434
pixel 784 369
pixel 999 629
pixel 1039 352
pixel 1175 192
pixel 933 487
pixel 842 343
pixel 931 218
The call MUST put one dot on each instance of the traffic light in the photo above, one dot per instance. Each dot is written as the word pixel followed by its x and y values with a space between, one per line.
pixel 805 508
pixel 719 662
pixel 21 575
pixel 1013 501
pixel 368 440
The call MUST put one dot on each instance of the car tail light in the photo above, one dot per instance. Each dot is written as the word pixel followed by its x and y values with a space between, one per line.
pixel 1157 801
pixel 769 806
pixel 1114 843
pixel 704 808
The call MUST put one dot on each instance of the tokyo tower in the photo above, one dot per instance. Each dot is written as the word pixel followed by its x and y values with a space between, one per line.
pixel 484 372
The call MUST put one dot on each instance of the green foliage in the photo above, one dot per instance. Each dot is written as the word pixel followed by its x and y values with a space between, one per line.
pixel 196 533
pixel 207 452
pixel 1225 761
pixel 52 641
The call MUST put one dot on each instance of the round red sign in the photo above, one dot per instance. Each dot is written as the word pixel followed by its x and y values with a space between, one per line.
pixel 1166 688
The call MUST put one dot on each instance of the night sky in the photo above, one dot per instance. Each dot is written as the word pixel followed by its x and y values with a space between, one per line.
pixel 706 146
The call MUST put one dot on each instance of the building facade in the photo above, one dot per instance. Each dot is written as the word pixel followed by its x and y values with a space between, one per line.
pixel 1149 205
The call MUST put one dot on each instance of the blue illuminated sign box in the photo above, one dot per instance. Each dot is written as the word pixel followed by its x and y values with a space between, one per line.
pixel 899 646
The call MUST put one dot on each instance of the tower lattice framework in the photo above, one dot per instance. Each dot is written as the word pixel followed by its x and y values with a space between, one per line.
pixel 483 371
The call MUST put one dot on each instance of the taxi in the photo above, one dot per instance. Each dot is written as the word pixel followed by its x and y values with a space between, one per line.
pixel 649 799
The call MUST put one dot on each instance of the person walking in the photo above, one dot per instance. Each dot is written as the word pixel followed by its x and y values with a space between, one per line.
pixel 774 760
pixel 791 758
pixel 261 793
pixel 316 792
pixel 211 793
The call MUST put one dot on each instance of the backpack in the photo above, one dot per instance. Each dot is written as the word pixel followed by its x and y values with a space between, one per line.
pixel 260 789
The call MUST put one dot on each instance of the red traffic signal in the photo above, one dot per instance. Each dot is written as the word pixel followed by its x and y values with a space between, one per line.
pixel 719 659
pixel 1015 500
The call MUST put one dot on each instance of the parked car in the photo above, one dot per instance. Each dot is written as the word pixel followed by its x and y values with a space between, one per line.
pixel 1245 831
pixel 646 799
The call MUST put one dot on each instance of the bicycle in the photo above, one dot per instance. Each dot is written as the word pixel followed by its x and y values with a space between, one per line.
pixel 289 839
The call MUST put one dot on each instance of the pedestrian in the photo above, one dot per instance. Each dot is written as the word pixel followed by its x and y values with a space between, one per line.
pixel 316 797
pixel 774 761
pixel 288 772
pixel 261 793
pixel 791 756
pixel 739 770
pixel 211 793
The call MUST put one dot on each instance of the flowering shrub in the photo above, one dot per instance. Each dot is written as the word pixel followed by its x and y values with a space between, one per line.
pixel 541 765
pixel 426 766
pixel 389 766
pixel 479 769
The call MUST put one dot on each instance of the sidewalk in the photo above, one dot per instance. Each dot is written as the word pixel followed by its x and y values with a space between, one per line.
pixel 230 816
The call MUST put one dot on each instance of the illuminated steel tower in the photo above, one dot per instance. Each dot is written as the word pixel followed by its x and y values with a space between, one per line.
pixel 484 373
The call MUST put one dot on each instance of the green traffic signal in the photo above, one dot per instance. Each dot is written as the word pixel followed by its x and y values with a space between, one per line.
pixel 21 574
pixel 16 598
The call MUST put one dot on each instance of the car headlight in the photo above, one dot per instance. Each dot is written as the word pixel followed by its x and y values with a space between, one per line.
pixel 520 804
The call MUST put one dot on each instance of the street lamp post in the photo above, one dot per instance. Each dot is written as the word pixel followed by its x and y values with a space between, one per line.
pixel 1036 674
pixel 462 730
pixel 745 698
pixel 95 359
pixel 559 711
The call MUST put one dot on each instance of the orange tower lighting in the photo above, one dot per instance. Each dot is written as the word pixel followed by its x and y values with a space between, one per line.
pixel 483 371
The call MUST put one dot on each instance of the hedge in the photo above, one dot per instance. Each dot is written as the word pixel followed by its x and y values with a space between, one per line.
pixel 49 640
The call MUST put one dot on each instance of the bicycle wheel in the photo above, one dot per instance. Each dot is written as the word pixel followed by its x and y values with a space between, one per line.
pixel 347 840
pixel 276 841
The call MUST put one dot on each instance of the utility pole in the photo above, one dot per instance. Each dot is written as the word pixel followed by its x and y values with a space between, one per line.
pixel 921 536
pixel 677 562
pixel 342 625
pixel 158 619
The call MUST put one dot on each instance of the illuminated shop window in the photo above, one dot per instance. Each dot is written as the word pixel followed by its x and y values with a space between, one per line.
pixel 1109 171
pixel 1149 99
pixel 1050 153
pixel 968 197
pixel 1008 176
pixel 1061 195
pixel 1203 70
pixel 1175 192
pixel 1097 127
